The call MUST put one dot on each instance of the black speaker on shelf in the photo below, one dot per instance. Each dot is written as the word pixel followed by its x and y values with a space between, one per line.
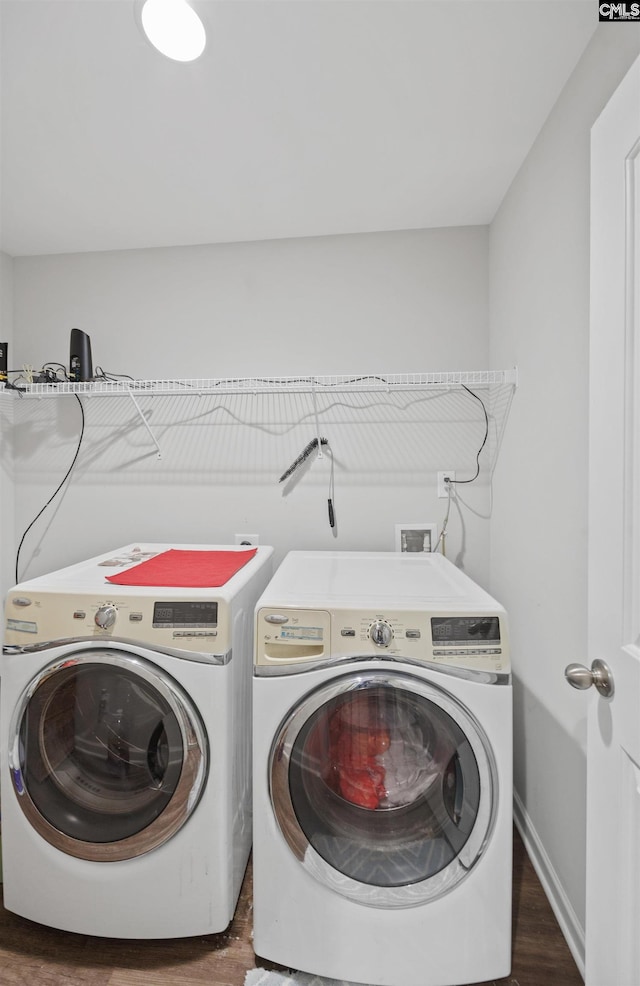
pixel 80 365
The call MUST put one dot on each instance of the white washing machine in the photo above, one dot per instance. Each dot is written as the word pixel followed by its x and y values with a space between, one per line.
pixel 382 771
pixel 126 743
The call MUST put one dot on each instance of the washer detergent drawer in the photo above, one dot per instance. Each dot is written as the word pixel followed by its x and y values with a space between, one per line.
pixel 287 636
pixel 107 755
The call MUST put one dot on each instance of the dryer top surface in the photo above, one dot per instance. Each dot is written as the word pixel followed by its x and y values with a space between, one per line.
pixel 90 576
pixel 353 579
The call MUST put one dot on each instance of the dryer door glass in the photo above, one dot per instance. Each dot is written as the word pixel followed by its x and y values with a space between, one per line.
pixel 388 789
pixel 109 756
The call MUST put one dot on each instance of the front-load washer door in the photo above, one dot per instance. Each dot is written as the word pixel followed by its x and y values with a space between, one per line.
pixel 108 756
pixel 384 786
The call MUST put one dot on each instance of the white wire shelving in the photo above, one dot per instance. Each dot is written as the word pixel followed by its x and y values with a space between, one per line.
pixel 344 383
pixel 318 389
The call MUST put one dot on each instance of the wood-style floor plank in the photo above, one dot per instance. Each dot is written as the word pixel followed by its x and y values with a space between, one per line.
pixel 39 956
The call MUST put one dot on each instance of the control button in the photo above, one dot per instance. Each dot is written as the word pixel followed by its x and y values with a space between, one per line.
pixel 276 618
pixel 195 633
pixel 380 633
pixel 21 601
pixel 79 614
pixel 413 634
pixel 106 617
pixel 135 617
pixel 347 633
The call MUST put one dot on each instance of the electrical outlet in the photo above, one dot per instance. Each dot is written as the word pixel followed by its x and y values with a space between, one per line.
pixel 248 539
pixel 443 486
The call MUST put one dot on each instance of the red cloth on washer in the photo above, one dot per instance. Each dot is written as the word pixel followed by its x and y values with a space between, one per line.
pixel 185 569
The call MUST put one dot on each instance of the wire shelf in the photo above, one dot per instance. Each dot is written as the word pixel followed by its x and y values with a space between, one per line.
pixel 366 382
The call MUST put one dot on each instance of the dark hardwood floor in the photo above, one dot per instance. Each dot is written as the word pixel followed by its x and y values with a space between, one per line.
pixel 39 956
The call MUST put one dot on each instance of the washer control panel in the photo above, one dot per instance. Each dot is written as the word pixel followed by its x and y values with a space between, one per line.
pixel 475 641
pixel 201 626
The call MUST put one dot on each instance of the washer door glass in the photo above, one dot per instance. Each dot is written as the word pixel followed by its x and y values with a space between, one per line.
pixel 108 757
pixel 384 786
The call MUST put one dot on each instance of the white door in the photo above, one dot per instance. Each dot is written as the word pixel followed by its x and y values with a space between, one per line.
pixel 613 755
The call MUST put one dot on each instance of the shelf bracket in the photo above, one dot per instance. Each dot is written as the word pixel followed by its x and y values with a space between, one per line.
pixel 145 423
pixel 315 414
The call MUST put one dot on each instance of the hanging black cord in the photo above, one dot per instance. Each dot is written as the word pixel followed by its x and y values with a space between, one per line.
pixel 460 482
pixel 53 495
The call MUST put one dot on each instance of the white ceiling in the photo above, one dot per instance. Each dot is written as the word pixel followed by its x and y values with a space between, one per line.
pixel 302 118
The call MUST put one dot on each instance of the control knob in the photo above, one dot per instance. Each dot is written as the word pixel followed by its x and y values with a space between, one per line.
pixel 380 633
pixel 106 617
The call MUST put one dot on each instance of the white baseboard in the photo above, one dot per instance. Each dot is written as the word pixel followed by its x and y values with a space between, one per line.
pixel 560 904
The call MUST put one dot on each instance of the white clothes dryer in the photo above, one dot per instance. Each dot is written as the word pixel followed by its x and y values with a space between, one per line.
pixel 126 745
pixel 382 771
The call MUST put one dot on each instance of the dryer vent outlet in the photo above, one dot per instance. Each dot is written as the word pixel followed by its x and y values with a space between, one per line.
pixel 247 539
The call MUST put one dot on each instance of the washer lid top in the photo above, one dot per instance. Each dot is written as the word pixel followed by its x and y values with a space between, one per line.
pixel 374 579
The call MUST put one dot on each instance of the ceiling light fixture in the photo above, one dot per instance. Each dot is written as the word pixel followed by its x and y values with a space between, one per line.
pixel 174 28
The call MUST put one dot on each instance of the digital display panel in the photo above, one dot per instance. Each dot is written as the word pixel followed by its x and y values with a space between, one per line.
pixel 465 630
pixel 301 633
pixel 185 614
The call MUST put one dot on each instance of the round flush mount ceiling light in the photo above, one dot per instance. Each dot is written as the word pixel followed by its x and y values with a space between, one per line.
pixel 174 28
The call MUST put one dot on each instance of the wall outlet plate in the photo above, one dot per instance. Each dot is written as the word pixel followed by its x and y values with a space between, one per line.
pixel 443 487
pixel 247 539
pixel 418 537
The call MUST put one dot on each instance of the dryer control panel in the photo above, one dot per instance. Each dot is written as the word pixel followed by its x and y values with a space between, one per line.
pixel 474 641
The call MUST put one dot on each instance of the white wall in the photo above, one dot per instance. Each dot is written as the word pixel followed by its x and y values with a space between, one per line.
pixel 389 302
pixel 539 309
pixel 7 402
